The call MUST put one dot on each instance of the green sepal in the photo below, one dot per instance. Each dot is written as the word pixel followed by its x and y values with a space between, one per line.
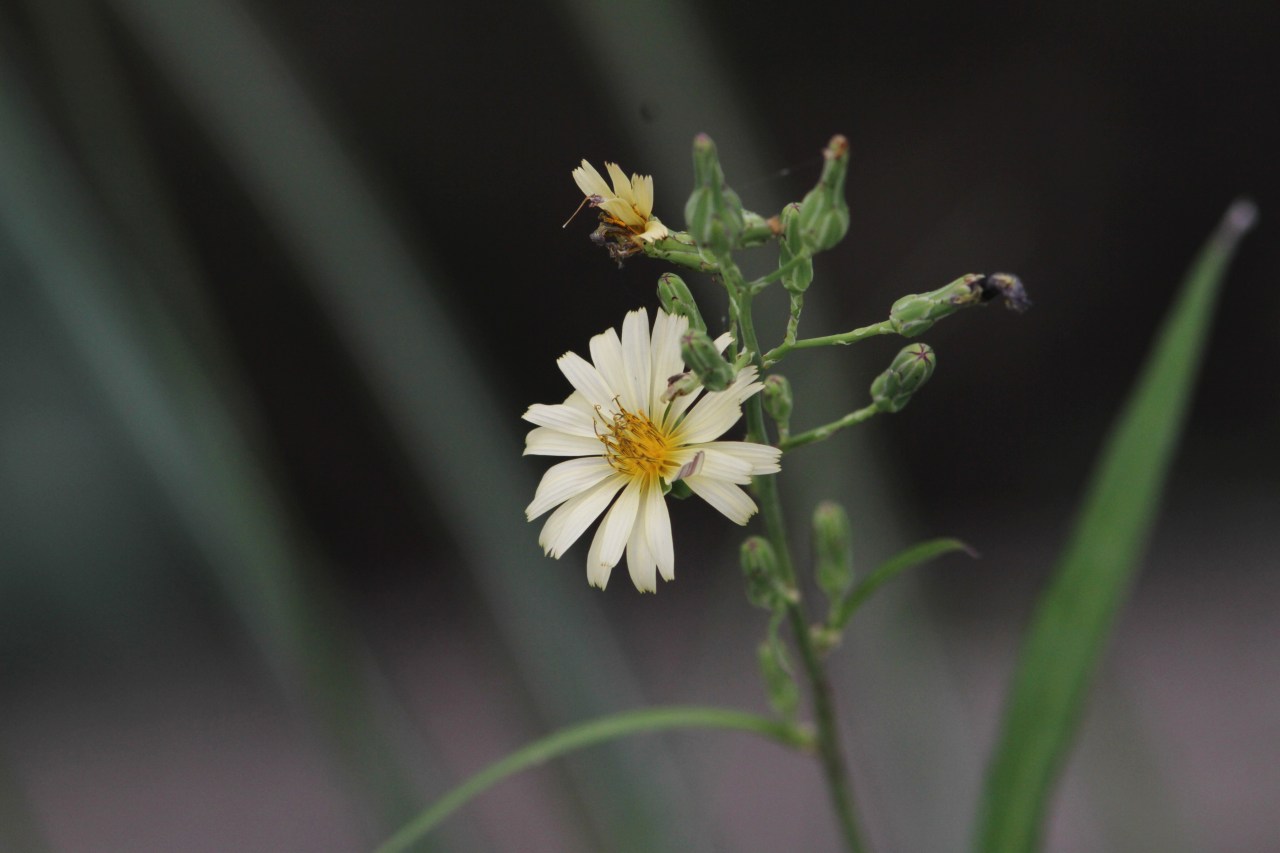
pixel 760 568
pixel 778 400
pixel 915 313
pixel 910 369
pixel 676 298
pixel 713 212
pixel 678 490
pixel 833 549
pixel 779 683
pixel 824 214
pixel 703 357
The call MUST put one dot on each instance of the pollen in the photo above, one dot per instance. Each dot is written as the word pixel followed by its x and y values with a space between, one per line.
pixel 635 445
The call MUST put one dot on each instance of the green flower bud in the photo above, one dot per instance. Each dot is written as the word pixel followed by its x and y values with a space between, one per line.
pixel 756 230
pixel 702 357
pixel 914 314
pixel 892 390
pixel 714 212
pixel 760 566
pixel 792 254
pixel 833 549
pixel 824 214
pixel 676 298
pixel 779 685
pixel 778 399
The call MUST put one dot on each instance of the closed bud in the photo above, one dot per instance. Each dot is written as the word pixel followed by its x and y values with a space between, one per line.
pixel 911 368
pixel 824 214
pixel 760 567
pixel 704 359
pixel 677 299
pixel 779 685
pixel 913 315
pixel 713 212
pixel 833 549
pixel 778 399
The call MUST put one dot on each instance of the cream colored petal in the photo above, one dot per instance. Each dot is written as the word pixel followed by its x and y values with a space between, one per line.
pixel 621 185
pixel 583 376
pixel 642 192
pixel 653 231
pixel 590 182
pixel 565 480
pixel 664 356
pixel 656 525
pixel 717 411
pixel 544 441
pixel 606 355
pixel 574 516
pixel 720 465
pixel 760 458
pixel 730 500
pixel 567 419
pixel 640 563
pixel 621 210
pixel 611 537
pixel 635 354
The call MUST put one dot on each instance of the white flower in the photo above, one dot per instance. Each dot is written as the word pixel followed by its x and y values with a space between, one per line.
pixel 630 444
pixel 627 205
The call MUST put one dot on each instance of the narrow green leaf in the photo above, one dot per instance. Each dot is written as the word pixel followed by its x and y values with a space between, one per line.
pixel 582 736
pixel 1076 614
pixel 888 570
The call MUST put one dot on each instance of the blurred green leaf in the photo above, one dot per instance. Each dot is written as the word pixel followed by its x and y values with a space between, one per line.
pixel 888 570
pixel 1077 612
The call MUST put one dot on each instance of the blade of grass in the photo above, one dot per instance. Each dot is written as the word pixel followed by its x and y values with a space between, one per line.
pixel 380 298
pixel 1075 615
pixel 158 390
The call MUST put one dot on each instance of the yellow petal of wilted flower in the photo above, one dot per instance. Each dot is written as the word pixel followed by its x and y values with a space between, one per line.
pixel 627 204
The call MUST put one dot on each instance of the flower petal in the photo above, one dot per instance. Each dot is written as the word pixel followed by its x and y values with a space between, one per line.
pixel 730 500
pixel 761 458
pixel 635 354
pixel 590 182
pixel 642 192
pixel 611 536
pixel 621 185
pixel 567 523
pixel 664 357
pixel 583 376
pixel 657 531
pixel 640 564
pixel 606 355
pixel 718 410
pixel 572 420
pixel 564 480
pixel 545 441
pixel 653 230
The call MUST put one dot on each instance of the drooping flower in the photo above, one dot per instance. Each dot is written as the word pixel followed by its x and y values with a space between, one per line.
pixel 629 445
pixel 627 205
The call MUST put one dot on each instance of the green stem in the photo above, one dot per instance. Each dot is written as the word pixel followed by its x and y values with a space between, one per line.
pixel 883 328
pixel 828 733
pixel 587 734
pixel 756 285
pixel 825 431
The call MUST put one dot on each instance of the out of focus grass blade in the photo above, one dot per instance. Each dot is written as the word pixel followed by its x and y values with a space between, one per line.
pixel 462 443
pixel 157 388
pixel 1075 616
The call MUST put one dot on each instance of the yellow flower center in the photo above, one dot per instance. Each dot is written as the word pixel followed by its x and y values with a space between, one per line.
pixel 635 445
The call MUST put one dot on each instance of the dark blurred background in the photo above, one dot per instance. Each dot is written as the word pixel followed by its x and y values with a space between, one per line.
pixel 277 280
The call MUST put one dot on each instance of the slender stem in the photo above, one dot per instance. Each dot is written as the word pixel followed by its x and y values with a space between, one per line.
pixel 756 285
pixel 828 733
pixel 827 430
pixel 843 339
pixel 588 734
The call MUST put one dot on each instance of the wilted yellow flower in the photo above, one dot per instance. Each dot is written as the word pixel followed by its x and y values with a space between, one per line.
pixel 627 205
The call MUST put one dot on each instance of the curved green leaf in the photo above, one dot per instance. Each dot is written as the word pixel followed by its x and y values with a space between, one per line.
pixel 1077 612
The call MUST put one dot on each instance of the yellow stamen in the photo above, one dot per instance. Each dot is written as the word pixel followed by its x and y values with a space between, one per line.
pixel 634 445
